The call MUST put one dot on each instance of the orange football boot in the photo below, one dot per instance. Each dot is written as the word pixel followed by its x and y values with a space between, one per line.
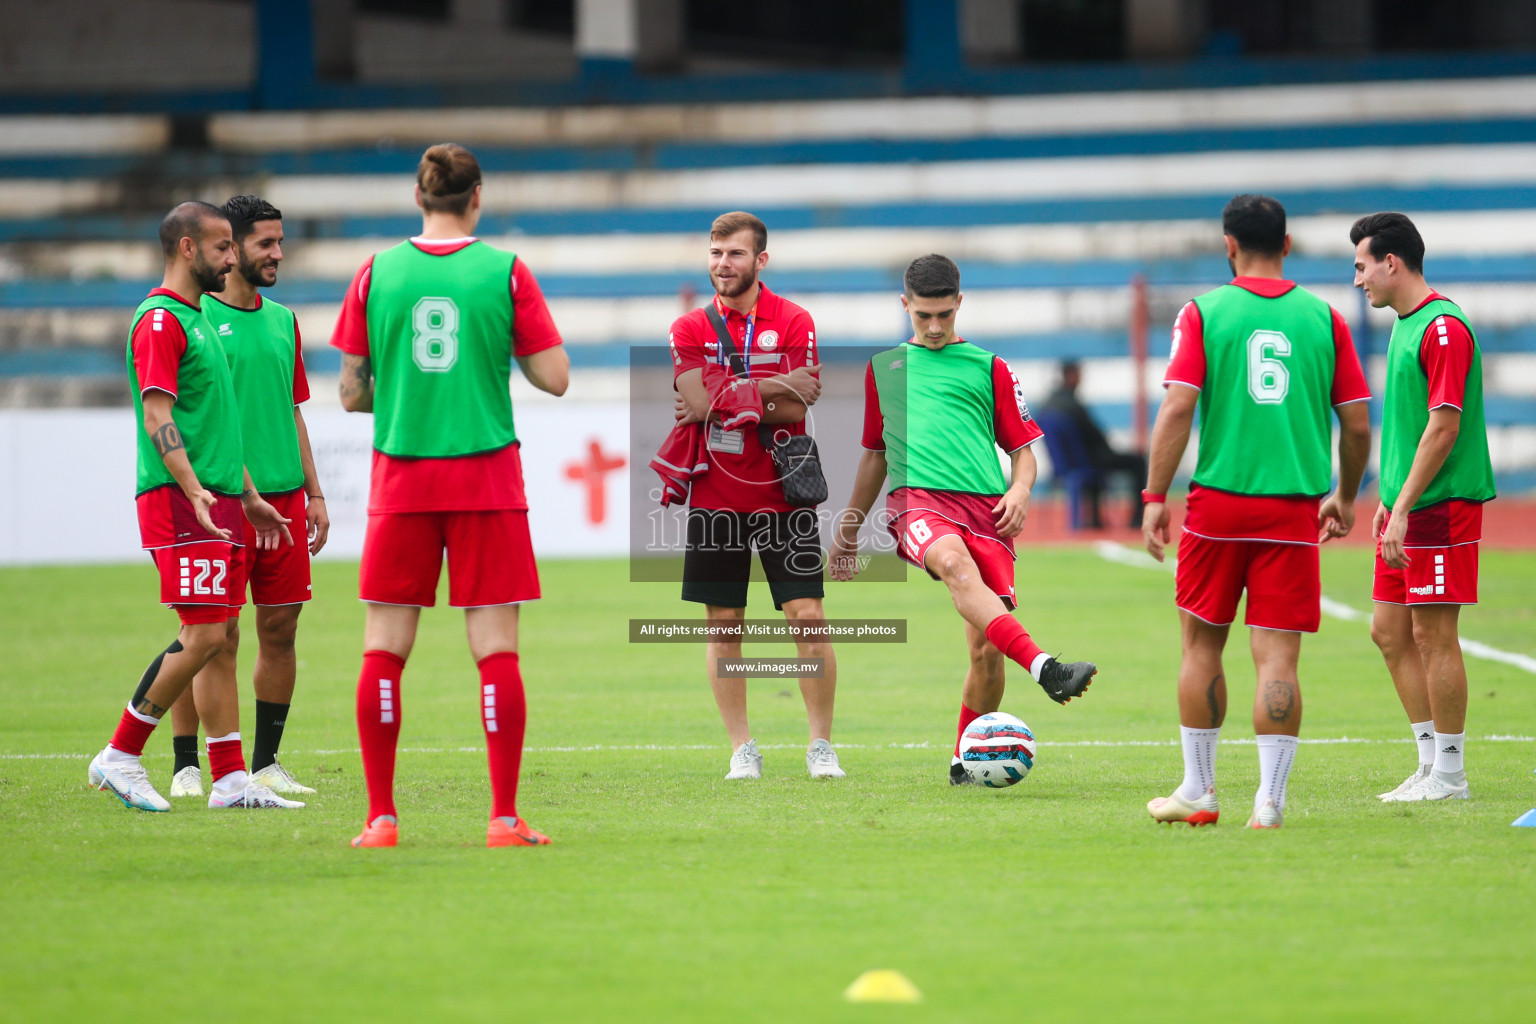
pixel 381 831
pixel 513 832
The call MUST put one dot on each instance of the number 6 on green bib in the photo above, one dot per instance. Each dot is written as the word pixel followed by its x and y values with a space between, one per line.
pixel 1269 376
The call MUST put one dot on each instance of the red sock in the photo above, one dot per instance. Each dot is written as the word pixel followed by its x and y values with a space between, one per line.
pixel 224 756
pixel 378 726
pixel 967 716
pixel 1009 636
pixel 504 713
pixel 133 732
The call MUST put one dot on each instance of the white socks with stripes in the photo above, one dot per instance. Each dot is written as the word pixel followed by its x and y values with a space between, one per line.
pixel 1276 755
pixel 1199 761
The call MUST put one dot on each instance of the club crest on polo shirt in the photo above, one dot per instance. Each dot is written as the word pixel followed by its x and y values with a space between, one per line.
pixel 769 340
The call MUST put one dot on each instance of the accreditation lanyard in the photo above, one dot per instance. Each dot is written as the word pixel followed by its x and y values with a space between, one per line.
pixel 722 356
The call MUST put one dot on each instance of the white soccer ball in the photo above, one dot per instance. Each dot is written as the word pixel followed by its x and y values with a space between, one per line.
pixel 997 750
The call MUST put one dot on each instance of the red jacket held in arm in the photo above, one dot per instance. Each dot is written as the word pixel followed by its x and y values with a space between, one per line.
pixel 685 453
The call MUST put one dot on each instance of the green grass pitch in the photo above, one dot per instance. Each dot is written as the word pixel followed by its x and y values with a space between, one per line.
pixel 670 895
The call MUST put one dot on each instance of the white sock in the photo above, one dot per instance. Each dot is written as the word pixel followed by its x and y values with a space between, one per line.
pixel 232 781
pixel 114 756
pixel 1199 761
pixel 1038 665
pixel 1424 736
pixel 1449 746
pixel 1276 755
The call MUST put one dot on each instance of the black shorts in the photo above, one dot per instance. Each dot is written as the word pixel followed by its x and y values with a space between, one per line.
pixel 718 561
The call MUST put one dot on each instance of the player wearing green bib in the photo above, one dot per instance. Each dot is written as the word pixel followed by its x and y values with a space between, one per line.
pixel 1268 365
pixel 260 342
pixel 936 411
pixel 428 333
pixel 1435 476
pixel 191 484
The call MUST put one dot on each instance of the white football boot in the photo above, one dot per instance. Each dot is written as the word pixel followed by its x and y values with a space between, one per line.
pixel 1402 787
pixel 1438 786
pixel 127 780
pixel 249 794
pixel 1203 810
pixel 187 782
pixel 746 762
pixel 821 761
pixel 280 780
pixel 1266 815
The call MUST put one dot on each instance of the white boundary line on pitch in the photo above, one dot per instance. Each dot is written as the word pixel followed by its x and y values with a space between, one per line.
pixel 1112 551
pixel 619 747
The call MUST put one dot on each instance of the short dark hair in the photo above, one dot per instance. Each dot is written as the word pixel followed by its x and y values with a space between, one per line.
pixel 1391 233
pixel 931 277
pixel 186 221
pixel 727 224
pixel 244 211
pixel 1257 222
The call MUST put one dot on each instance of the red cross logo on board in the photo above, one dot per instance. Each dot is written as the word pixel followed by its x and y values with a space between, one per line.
pixel 593 472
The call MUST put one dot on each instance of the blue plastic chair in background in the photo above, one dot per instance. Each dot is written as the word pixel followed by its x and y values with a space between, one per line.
pixel 1071 468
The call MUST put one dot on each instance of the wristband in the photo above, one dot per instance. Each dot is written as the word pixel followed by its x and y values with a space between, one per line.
pixel 1148 498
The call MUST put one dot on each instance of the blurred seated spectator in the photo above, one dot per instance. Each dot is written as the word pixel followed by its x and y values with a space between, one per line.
pixel 1103 460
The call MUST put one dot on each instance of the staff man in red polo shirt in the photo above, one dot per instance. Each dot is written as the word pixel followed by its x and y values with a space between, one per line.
pixel 738 505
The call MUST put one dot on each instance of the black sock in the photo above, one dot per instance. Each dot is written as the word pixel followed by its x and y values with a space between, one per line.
pixel 270 719
pixel 185 749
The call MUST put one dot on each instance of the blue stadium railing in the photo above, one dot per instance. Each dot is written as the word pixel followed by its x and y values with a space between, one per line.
pixel 675 219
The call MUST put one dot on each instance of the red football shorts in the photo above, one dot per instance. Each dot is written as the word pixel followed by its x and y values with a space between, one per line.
pixel 204 581
pixel 281 576
pixel 1283 581
pixel 916 532
pixel 490 558
pixel 1441 545
pixel 1433 576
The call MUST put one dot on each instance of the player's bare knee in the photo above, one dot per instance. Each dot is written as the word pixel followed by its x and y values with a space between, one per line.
pixel 203 641
pixel 1429 636
pixel 277 628
pixel 955 566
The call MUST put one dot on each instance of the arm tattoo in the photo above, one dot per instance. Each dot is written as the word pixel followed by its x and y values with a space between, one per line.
pixel 167 439
pixel 1279 699
pixel 1213 701
pixel 356 377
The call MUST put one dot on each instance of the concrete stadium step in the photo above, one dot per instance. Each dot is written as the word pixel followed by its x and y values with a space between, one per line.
pixel 1094 113
pixel 542 156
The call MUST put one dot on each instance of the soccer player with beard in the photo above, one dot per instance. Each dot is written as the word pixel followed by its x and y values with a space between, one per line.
pixel 936 411
pixel 428 332
pixel 738 505
pixel 1435 476
pixel 1269 365
pixel 191 486
pixel 261 341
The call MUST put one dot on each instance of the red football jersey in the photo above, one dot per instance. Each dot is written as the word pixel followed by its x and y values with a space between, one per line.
pixel 741 477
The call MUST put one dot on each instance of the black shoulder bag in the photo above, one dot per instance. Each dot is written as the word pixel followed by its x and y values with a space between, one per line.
pixel 795 457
